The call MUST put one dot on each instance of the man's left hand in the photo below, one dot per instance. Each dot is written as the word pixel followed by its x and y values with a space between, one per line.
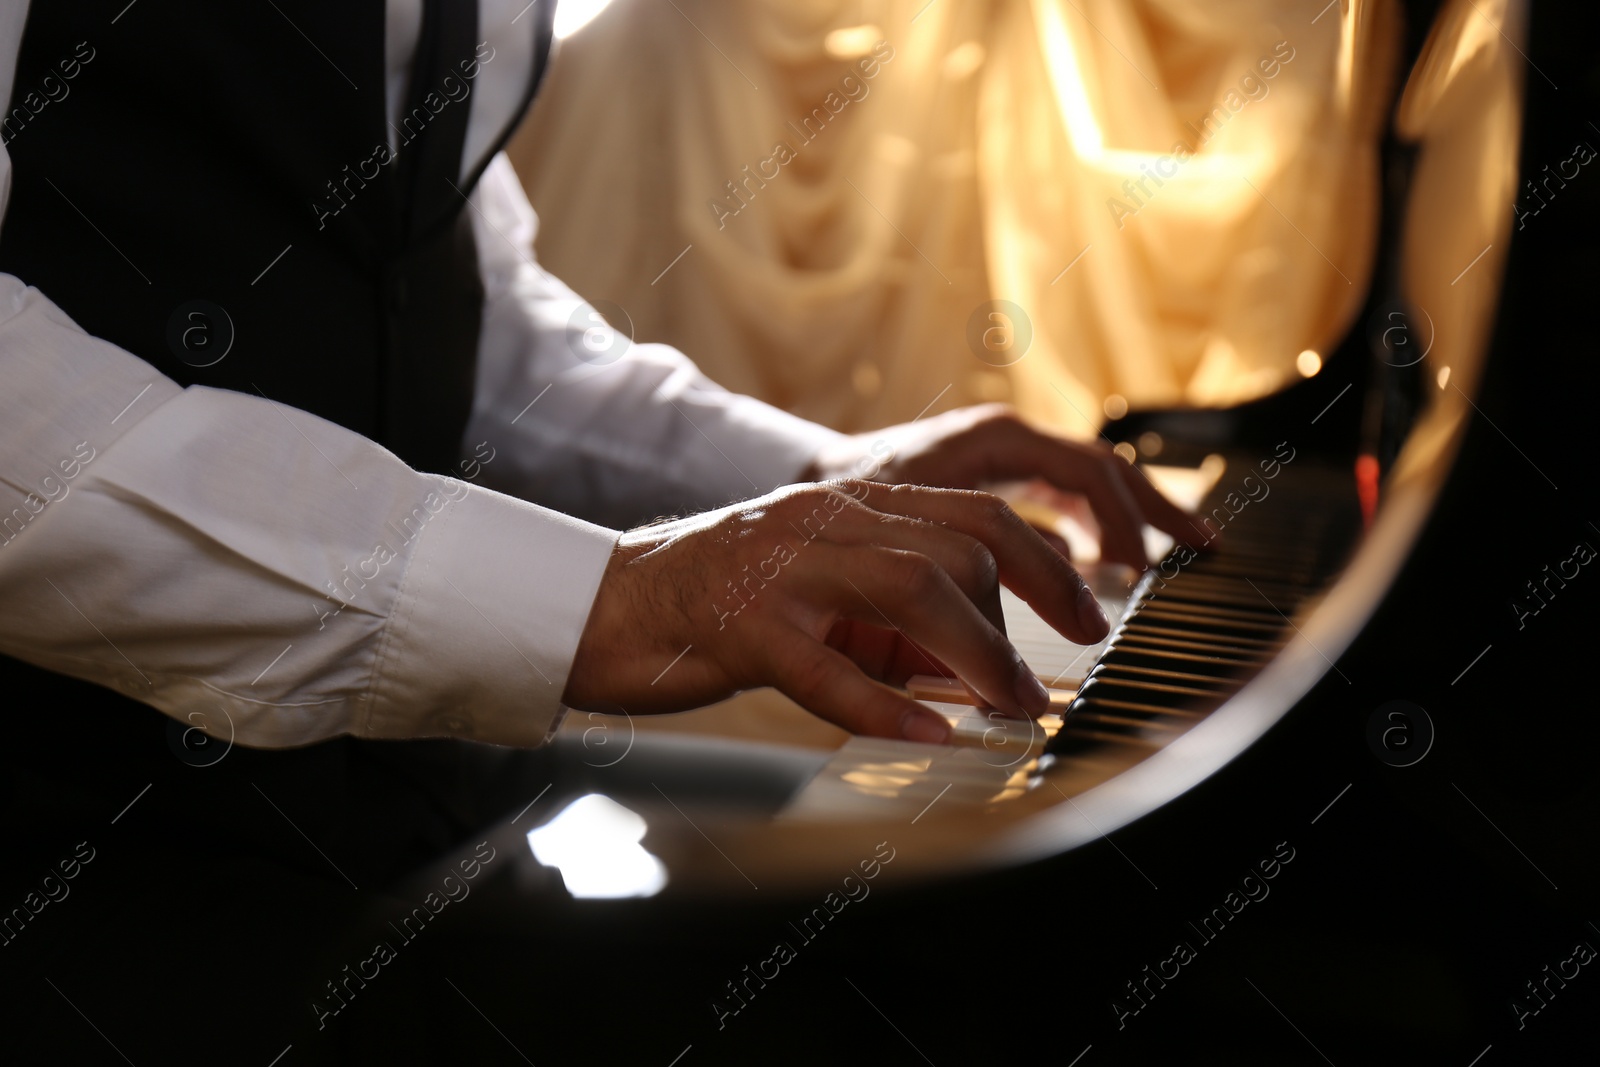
pixel 975 446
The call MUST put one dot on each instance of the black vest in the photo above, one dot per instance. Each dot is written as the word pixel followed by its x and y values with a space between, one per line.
pixel 201 183
pixel 209 186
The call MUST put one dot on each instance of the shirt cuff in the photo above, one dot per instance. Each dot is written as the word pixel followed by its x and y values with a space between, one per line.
pixel 487 621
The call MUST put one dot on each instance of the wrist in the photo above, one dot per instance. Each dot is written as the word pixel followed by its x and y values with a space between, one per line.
pixel 862 456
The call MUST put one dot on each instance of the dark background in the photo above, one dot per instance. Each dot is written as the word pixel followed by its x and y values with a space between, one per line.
pixel 1413 913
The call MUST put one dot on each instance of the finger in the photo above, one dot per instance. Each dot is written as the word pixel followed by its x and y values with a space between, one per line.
pixel 909 592
pixel 964 558
pixel 1120 517
pixel 1040 505
pixel 1028 565
pixel 886 655
pixel 1013 449
pixel 1056 542
pixel 1160 512
pixel 827 684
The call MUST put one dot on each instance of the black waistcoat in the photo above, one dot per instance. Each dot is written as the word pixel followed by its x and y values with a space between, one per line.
pixel 209 186
pixel 188 169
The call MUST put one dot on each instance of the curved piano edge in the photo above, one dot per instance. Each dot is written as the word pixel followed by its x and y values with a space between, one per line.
pixel 1324 633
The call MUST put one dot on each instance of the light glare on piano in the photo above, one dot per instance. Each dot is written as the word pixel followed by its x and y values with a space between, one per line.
pixel 594 843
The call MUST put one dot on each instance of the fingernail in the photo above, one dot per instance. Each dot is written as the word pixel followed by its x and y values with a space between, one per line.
pixel 1092 615
pixel 1031 694
pixel 924 727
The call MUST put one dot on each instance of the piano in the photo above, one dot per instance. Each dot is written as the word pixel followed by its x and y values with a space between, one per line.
pixel 1206 650
pixel 1210 650
pixel 1021 877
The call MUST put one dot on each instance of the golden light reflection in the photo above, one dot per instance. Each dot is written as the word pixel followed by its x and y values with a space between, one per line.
pixel 1308 363
pixel 888 779
pixel 852 42
pixel 1018 784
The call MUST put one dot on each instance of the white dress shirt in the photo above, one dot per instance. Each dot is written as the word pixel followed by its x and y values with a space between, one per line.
pixel 273 577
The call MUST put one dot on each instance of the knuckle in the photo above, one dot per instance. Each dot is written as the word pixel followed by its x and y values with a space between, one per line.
pixel 998 516
pixel 807 672
pixel 985 570
pixel 918 575
pixel 788 498
pixel 989 502
pixel 817 493
pixel 855 488
pixel 998 413
pixel 816 504
pixel 1003 425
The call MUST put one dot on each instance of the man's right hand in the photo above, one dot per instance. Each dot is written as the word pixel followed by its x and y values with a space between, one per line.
pixel 832 593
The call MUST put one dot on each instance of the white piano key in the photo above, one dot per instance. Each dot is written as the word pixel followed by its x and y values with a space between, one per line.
pixel 934 689
pixel 1058 662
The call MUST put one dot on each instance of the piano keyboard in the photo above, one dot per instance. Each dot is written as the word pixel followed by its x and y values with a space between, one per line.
pixel 1187 636
pixel 1192 635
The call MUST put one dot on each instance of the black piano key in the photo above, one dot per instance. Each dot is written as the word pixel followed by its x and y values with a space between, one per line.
pixel 1197 641
pixel 1166 696
pixel 1200 625
pixel 1255 627
pixel 1126 717
pixel 1136 655
pixel 1257 613
pixel 1117 670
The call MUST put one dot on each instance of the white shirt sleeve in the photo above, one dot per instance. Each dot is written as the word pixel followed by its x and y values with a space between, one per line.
pixel 580 419
pixel 278 579
pixel 255 570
